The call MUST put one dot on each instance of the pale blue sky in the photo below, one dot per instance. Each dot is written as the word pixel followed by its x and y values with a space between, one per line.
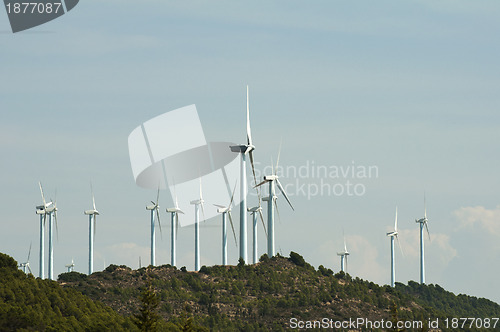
pixel 411 87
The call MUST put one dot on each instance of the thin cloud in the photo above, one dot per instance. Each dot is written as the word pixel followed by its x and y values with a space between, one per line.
pixel 488 219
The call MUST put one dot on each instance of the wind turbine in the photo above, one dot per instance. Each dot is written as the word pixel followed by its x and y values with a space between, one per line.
pixel 271 179
pixel 71 267
pixel 423 222
pixel 253 211
pixel 174 227
pixel 244 149
pixel 343 257
pixel 226 210
pixel 154 208
pixel 392 235
pixel 92 217
pixel 52 212
pixel 197 204
pixel 42 211
pixel 26 265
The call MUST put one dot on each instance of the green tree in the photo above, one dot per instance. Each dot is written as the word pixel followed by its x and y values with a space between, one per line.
pixel 147 319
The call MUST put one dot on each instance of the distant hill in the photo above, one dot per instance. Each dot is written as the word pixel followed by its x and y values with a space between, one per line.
pixel 265 296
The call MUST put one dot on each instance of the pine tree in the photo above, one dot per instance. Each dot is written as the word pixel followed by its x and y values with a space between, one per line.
pixel 147 318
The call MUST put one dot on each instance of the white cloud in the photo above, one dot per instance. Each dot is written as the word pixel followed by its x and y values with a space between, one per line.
pixel 479 215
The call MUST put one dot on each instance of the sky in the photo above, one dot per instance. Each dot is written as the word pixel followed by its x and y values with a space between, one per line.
pixel 408 90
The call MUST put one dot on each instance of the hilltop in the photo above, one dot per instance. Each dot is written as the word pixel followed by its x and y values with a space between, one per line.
pixel 259 297
pixel 265 296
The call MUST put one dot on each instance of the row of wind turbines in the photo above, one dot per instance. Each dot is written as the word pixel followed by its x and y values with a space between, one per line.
pixel 49 210
pixel 393 235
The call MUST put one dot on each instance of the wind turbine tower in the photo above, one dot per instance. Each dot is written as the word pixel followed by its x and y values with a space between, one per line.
pixel 71 267
pixel 253 211
pixel 272 179
pixel 92 223
pixel 174 227
pixel 42 211
pixel 226 210
pixel 52 212
pixel 423 222
pixel 154 208
pixel 343 257
pixel 197 204
pixel 26 265
pixel 394 235
pixel 244 149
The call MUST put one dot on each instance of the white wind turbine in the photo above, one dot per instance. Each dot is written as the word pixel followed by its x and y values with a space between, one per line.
pixel 52 212
pixel 26 265
pixel 423 222
pixel 271 179
pixel 226 210
pixel 197 204
pixel 71 267
pixel 154 208
pixel 392 235
pixel 174 224
pixel 244 149
pixel 253 211
pixel 42 210
pixel 92 226
pixel 343 257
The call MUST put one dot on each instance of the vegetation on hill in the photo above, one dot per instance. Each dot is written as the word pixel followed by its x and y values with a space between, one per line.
pixel 265 296
pixel 259 297
pixel 29 304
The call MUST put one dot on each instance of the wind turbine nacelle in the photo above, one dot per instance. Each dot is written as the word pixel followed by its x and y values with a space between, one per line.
pixel 270 177
pixel 52 209
pixel 392 234
pixel 174 210
pixel 89 212
pixel 223 210
pixel 151 207
pixel 238 148
pixel 196 202
pixel 254 209
pixel 40 211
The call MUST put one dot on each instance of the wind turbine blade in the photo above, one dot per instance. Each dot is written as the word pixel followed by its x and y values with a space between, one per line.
pixel 396 221
pixel 345 257
pixel 279 152
pixel 263 224
pixel 29 268
pixel 29 252
pixel 176 224
pixel 159 223
pixel 260 184
pixel 157 195
pixel 175 195
pixel 249 132
pixel 232 227
pixel 280 187
pixel 400 247
pixel 345 245
pixel 272 166
pixel 425 208
pixel 92 192
pixel 253 167
pixel 277 211
pixel 95 224
pixel 57 227
pixel 427 229
pixel 43 197
pixel 203 212
pixel 232 196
